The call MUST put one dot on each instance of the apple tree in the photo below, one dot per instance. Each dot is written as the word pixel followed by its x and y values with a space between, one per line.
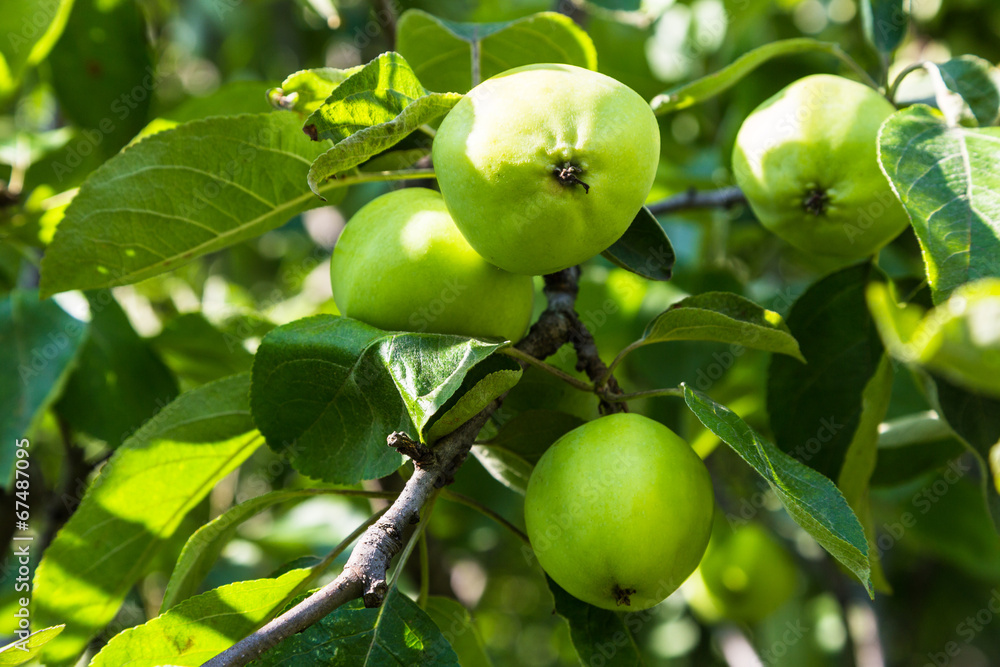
pixel 600 332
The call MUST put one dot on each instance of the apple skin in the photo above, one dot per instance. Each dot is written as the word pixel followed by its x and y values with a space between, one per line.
pixel 402 265
pixel 745 576
pixel 497 154
pixel 806 161
pixel 619 511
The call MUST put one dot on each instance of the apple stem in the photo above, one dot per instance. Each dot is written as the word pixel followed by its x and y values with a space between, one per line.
pixel 567 175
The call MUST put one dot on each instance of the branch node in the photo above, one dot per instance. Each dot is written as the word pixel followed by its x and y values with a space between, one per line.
pixel 420 453
pixel 374 595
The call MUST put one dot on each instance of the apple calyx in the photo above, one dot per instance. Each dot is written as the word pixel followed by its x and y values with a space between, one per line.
pixel 815 201
pixel 567 175
pixel 623 596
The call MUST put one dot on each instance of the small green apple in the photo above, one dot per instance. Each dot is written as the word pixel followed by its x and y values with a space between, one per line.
pixel 545 166
pixel 746 575
pixel 806 161
pixel 619 511
pixel 402 265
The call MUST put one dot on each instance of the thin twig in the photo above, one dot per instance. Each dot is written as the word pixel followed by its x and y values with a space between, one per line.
pixel 548 368
pixel 722 198
pixel 364 575
pixel 484 510
pixel 649 393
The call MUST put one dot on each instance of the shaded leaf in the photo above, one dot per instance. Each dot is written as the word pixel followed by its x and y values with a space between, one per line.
pixel 885 23
pixel 441 52
pixel 203 626
pixel 369 112
pixel 947 181
pixel 644 248
pixel 119 382
pixel 815 408
pixel 327 391
pixel 972 79
pixel 910 446
pixel 397 633
pixel 812 500
pixel 38 345
pixel 134 506
pixel 508 468
pixel 486 381
pixel 179 194
pixel 198 352
pixel 595 630
pixel 460 630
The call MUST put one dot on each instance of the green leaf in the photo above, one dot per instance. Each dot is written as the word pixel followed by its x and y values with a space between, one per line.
pixel 306 90
pixel 885 23
pixel 203 626
pixel 180 194
pixel 707 87
pixel 119 382
pixel 947 180
pixel 397 633
pixel 38 345
pixel 722 317
pixel 30 28
pixel 811 499
pixel 443 53
pixel 134 506
pixel 815 408
pixel 486 381
pixel 328 390
pixel 972 79
pixel 511 455
pixel 23 650
pixel 459 630
pixel 644 248
pixel 595 630
pixel 206 544
pixel 371 111
pixel 198 352
pixel 102 71
pixel 862 457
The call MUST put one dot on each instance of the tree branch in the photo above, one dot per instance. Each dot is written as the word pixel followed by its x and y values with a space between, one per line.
pixel 722 198
pixel 364 575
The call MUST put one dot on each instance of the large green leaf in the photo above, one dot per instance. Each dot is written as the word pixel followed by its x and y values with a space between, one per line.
pixel 947 179
pixel 328 390
pixel 38 345
pixel 599 636
pixel 179 194
pixel 722 317
pixel 811 499
pixel 30 28
pixel 372 110
pixel 200 628
pixel 644 248
pixel 815 408
pixel 23 650
pixel 102 72
pixel 154 479
pixel 444 54
pixel 120 382
pixel 397 633
pixel 695 92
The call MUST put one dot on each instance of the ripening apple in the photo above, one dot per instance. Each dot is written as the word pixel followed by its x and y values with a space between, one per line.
pixel 746 575
pixel 806 161
pixel 402 265
pixel 545 166
pixel 619 511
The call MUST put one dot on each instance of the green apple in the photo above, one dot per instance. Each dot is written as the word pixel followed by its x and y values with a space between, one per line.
pixel 402 265
pixel 806 161
pixel 619 511
pixel 545 166
pixel 746 575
